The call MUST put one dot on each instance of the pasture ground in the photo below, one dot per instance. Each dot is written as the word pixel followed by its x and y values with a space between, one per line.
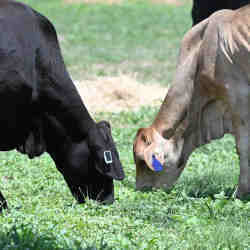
pixel 135 42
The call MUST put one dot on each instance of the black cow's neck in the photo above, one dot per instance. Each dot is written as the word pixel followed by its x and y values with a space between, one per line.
pixel 59 97
pixel 68 108
pixel 58 143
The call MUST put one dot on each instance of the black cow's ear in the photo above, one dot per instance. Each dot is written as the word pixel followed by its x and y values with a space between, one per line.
pixel 104 124
pixel 109 165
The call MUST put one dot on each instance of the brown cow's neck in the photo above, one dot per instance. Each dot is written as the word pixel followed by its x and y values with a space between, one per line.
pixel 174 107
pixel 179 96
pixel 208 120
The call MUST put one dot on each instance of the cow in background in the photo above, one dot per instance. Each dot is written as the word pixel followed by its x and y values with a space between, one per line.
pixel 202 9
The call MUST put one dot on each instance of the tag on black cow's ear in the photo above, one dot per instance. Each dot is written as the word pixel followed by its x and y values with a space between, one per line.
pixel 112 167
pixel 108 157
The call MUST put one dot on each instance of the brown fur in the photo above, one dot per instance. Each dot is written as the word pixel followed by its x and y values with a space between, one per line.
pixel 210 96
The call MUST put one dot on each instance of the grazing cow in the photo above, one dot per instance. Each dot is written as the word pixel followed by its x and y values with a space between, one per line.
pixel 202 9
pixel 210 96
pixel 41 110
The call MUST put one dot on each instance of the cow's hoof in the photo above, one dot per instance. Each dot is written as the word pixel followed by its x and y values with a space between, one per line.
pixel 242 195
pixel 3 207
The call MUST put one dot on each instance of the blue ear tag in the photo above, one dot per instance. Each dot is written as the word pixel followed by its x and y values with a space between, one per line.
pixel 156 164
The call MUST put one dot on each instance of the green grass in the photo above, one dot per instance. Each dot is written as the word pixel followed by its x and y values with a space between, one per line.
pixel 133 37
pixel 199 213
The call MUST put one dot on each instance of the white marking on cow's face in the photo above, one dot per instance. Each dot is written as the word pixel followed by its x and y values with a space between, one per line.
pixel 168 153
pixel 172 152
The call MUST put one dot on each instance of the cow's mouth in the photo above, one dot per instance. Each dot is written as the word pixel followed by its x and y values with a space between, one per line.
pixel 107 200
pixel 102 193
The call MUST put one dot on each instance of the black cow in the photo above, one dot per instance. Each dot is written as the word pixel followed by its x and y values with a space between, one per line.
pixel 202 9
pixel 41 110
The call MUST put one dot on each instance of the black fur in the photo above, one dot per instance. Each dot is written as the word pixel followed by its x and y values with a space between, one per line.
pixel 202 9
pixel 41 110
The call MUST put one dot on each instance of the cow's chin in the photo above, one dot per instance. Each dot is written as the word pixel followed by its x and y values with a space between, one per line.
pixel 146 179
pixel 102 193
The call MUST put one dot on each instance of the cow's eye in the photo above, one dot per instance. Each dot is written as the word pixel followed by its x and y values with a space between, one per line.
pixel 167 134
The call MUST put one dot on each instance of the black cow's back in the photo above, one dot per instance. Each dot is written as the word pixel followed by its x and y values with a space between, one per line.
pixel 33 78
pixel 17 71
pixel 202 9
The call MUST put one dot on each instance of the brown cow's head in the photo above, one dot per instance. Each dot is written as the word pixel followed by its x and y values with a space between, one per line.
pixel 151 151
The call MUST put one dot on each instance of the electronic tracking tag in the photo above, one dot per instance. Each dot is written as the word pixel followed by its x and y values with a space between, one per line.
pixel 108 157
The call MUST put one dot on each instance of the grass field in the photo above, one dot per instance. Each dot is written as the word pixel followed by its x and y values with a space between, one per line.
pixel 135 38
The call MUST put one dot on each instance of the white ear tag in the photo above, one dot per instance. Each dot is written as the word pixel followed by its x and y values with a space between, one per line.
pixel 108 157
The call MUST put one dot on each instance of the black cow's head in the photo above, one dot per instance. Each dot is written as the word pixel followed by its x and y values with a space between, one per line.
pixel 88 166
pixel 104 151
pixel 92 165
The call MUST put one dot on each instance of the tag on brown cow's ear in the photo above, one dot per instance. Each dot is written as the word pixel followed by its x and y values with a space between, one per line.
pixel 148 152
pixel 153 159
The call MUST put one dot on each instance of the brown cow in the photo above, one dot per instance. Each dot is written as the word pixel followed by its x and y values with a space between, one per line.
pixel 209 97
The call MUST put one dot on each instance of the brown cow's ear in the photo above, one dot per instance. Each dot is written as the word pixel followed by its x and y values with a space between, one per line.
pixel 138 145
pixel 140 135
pixel 139 131
pixel 104 124
pixel 144 139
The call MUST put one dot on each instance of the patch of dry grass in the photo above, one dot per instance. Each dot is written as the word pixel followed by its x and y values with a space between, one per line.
pixel 94 1
pixel 121 93
pixel 173 2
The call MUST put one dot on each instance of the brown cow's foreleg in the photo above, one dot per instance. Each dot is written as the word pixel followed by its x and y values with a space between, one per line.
pixel 240 101
pixel 3 203
pixel 242 141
